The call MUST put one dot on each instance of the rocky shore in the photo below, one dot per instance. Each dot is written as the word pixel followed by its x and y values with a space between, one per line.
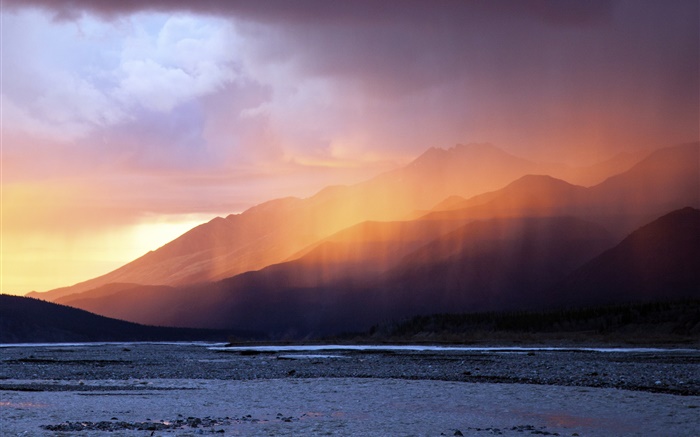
pixel 676 372
pixel 270 388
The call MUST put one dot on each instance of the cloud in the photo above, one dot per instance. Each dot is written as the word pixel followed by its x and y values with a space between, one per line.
pixel 187 59
pixel 159 88
pixel 571 12
pixel 162 62
pixel 228 84
pixel 41 95
pixel 400 45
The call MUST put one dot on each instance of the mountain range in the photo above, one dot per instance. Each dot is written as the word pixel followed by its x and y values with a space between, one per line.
pixel 466 229
pixel 274 231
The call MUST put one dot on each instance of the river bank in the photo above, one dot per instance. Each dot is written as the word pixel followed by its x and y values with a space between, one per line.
pixel 165 389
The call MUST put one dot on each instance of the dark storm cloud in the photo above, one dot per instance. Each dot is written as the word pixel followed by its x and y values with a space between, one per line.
pixel 570 12
pixel 611 72
pixel 400 45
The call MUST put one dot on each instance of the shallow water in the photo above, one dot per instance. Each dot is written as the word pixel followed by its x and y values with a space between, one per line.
pixel 345 390
pixel 109 343
pixel 430 348
pixel 351 406
pixel 349 347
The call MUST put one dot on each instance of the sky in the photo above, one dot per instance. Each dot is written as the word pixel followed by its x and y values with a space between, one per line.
pixel 126 123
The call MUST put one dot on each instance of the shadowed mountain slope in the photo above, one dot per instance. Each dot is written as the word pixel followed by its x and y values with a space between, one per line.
pixel 496 265
pixel 526 239
pixel 274 231
pixel 109 300
pixel 486 265
pixel 658 261
pixel 353 256
pixel 27 320
pixel 480 265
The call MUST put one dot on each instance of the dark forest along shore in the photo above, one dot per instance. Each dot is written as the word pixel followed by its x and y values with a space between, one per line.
pixel 190 388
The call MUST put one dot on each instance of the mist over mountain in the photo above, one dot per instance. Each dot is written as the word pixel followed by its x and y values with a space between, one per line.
pixel 350 257
pixel 658 260
pixel 496 265
pixel 667 179
pixel 274 231
pixel 484 264
pixel 134 304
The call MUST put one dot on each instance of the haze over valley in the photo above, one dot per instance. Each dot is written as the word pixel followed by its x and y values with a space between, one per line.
pixel 365 217
pixel 418 241
pixel 299 170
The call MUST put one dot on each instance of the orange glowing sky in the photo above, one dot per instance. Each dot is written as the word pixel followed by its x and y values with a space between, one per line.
pixel 126 123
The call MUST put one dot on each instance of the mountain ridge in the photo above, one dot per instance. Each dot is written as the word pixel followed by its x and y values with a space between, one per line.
pixel 273 231
pixel 496 264
pixel 306 295
pixel 661 255
pixel 343 258
pixel 667 179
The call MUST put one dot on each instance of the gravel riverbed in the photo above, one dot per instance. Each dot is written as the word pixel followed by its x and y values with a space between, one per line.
pixel 190 389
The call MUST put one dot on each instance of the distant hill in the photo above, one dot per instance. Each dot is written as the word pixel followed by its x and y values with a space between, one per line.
pixel 658 260
pixel 276 230
pixel 667 179
pixel 528 196
pixel 27 320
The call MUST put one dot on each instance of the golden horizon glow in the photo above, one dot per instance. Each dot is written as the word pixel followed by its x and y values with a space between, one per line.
pixel 123 124
pixel 42 261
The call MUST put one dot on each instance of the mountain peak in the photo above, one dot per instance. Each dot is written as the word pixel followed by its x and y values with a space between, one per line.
pixel 476 150
pixel 430 155
pixel 541 184
pixel 539 179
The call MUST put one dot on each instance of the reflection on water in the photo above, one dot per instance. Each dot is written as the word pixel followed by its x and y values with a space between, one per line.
pixel 113 343
pixel 619 425
pixel 351 347
pixel 309 356
pixel 429 348
pixel 10 404
pixel 567 420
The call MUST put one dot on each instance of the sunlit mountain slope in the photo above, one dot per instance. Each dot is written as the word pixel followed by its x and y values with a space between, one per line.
pixel 667 179
pixel 473 267
pixel 274 231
